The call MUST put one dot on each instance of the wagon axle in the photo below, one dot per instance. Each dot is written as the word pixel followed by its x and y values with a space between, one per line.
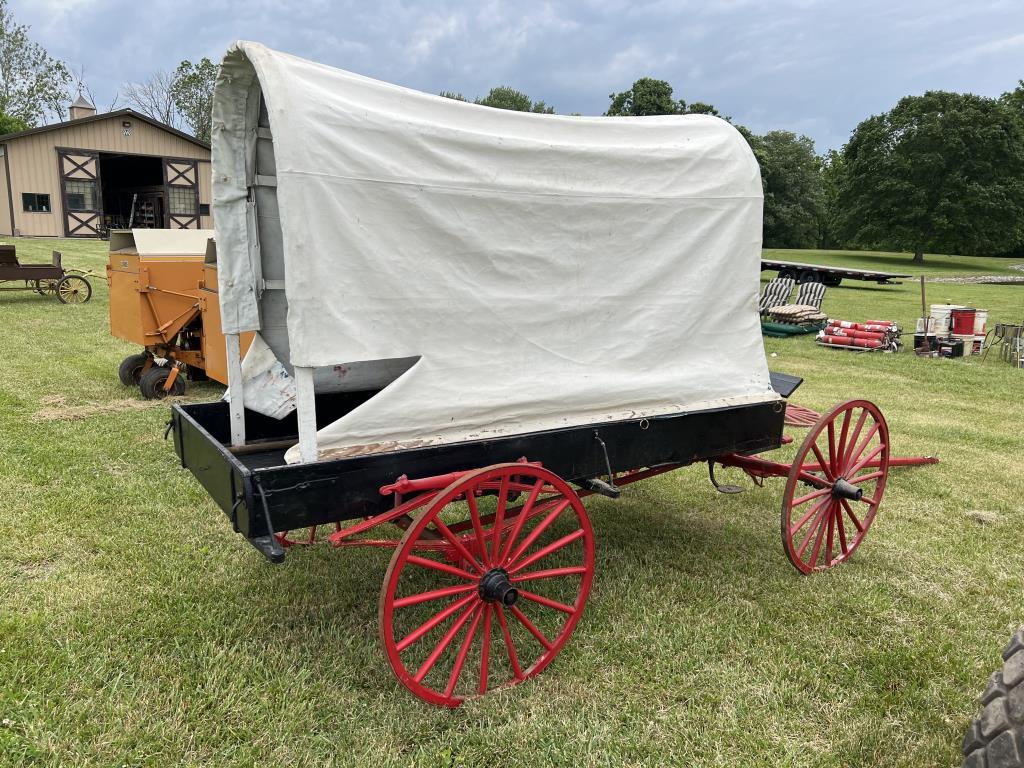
pixel 495 587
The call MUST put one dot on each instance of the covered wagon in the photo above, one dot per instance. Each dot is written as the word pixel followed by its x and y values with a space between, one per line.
pixel 469 319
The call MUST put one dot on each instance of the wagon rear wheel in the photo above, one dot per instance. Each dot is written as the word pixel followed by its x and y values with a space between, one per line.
pixel 72 289
pixel 46 287
pixel 487 584
pixel 835 486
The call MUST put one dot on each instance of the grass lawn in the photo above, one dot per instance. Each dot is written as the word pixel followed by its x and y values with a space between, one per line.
pixel 137 630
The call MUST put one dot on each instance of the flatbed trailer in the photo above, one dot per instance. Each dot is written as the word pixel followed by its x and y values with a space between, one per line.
pixel 831 276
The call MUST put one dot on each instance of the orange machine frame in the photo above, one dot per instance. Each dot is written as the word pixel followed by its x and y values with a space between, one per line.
pixel 166 301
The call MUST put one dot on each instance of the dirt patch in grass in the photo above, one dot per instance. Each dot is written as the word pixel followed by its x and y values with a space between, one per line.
pixel 56 408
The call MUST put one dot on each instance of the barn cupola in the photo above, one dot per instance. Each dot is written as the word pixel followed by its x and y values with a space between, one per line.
pixel 81 108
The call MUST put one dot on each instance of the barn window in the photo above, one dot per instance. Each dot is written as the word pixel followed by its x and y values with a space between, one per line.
pixel 182 200
pixel 81 195
pixel 35 202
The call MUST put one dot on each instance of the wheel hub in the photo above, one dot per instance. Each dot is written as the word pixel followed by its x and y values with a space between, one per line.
pixel 842 489
pixel 495 587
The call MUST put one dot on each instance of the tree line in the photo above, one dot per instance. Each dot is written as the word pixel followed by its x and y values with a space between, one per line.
pixel 941 173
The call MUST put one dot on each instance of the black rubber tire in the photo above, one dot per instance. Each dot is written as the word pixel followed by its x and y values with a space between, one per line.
pixel 152 383
pixel 787 274
pixel 130 370
pixel 809 277
pixel 996 737
pixel 832 281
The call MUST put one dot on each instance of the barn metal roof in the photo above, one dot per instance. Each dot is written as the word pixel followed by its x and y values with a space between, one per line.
pixel 106 116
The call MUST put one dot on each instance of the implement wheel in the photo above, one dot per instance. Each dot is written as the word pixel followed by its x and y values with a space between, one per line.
pixel 835 486
pixel 72 289
pixel 458 616
pixel 131 369
pixel 152 382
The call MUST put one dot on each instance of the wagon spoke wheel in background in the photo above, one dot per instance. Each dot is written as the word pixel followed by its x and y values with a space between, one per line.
pixel 487 583
pixel 835 486
pixel 46 287
pixel 72 289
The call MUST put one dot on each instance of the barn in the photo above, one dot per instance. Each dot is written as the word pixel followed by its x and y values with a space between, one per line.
pixel 97 172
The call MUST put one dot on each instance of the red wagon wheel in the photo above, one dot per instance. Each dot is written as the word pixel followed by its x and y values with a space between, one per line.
pixel 487 584
pixel 835 486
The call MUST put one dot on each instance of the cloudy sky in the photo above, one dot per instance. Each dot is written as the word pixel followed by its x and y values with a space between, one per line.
pixel 807 66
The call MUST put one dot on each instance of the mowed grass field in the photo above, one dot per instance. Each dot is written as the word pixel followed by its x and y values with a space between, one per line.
pixel 137 630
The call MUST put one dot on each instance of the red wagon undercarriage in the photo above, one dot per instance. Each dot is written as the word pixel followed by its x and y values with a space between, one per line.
pixel 493 566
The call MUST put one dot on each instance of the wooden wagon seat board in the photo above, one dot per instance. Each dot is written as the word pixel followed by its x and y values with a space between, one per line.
pixel 536 271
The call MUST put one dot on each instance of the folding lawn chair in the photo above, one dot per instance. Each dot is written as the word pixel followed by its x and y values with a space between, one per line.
pixel 811 294
pixel 776 293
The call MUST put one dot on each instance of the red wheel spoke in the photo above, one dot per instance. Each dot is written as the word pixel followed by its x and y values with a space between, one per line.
pixel 485 649
pixel 457 543
pixel 812 495
pixel 842 532
pixel 830 538
pixel 429 624
pixel 520 520
pixel 841 449
pixel 434 565
pixel 434 594
pixel 812 480
pixel 864 461
pixel 825 466
pixel 832 445
pixel 548 645
pixel 814 527
pixel 460 659
pixel 513 657
pixel 866 478
pixel 443 644
pixel 857 523
pixel 869 500
pixel 817 539
pixel 845 458
pixel 474 516
pixel 547 601
pixel 811 513
pixel 857 452
pixel 540 554
pixel 550 573
pixel 499 519
pixel 536 532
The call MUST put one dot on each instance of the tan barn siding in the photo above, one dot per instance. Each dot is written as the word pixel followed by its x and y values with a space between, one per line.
pixel 205 193
pixel 33 161
pixel 5 199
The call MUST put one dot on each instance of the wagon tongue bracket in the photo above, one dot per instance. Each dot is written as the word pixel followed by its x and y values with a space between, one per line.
pixel 495 587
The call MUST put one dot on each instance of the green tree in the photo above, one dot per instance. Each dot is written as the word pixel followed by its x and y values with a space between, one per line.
pixel 9 124
pixel 33 85
pixel 192 92
pixel 793 196
pixel 647 97
pixel 941 172
pixel 832 170
pixel 504 97
pixel 654 97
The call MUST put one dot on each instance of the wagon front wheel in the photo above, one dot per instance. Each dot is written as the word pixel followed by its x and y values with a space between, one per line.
pixel 72 289
pixel 835 486
pixel 487 584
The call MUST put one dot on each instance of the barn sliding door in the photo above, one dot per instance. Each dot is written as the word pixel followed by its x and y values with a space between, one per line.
pixel 181 183
pixel 80 192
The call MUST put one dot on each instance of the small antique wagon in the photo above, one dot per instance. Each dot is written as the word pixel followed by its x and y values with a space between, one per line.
pixel 69 286
pixel 473 320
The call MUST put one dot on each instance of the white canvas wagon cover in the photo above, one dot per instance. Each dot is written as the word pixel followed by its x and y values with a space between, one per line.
pixel 535 271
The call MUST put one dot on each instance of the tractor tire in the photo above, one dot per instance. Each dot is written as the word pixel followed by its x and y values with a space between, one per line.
pixel 996 737
pixel 152 383
pixel 130 370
